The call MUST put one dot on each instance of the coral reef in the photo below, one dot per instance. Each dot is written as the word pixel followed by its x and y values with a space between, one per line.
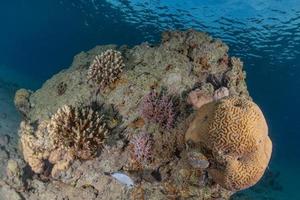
pixel 106 68
pixel 145 154
pixel 159 109
pixel 234 134
pixel 79 130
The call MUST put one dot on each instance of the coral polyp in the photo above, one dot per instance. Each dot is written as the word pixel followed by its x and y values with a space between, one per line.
pixel 106 68
pixel 159 109
pixel 81 130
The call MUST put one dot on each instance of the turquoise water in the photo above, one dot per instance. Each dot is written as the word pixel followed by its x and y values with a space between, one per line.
pixel 39 38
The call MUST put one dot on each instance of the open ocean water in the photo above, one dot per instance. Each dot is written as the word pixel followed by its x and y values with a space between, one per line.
pixel 39 38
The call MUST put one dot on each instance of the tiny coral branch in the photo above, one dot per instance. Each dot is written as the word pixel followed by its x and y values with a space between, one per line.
pixel 142 147
pixel 81 130
pixel 106 68
pixel 159 109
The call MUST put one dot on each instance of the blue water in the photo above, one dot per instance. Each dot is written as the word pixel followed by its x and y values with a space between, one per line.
pixel 39 38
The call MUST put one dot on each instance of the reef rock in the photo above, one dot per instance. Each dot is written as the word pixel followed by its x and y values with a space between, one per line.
pixel 76 154
pixel 234 134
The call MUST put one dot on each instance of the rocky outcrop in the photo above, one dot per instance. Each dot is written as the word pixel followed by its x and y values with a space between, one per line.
pixel 183 62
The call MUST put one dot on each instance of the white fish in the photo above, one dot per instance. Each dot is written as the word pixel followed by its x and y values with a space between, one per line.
pixel 123 178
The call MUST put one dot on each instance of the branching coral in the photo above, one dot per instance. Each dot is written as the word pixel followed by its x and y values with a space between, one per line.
pixel 142 148
pixel 159 109
pixel 81 130
pixel 234 133
pixel 106 68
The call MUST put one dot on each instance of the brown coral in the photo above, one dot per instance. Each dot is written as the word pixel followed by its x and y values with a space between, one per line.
pixel 106 68
pixel 234 134
pixel 80 130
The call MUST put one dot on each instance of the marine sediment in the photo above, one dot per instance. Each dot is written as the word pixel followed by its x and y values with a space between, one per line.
pixel 115 125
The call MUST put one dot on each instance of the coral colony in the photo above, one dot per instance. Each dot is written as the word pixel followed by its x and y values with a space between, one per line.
pixel 106 68
pixel 142 147
pixel 235 132
pixel 159 109
pixel 209 152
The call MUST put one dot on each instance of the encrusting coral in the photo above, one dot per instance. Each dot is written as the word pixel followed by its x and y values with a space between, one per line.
pixel 158 108
pixel 36 145
pixel 234 135
pixel 79 130
pixel 22 101
pixel 106 68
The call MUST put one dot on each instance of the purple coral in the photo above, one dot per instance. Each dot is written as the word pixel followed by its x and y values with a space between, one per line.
pixel 159 109
pixel 142 147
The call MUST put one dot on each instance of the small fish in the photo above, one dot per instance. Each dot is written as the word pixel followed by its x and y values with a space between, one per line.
pixel 122 178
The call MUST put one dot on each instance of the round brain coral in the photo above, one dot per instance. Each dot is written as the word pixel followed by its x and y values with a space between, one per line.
pixel 106 68
pixel 80 130
pixel 233 133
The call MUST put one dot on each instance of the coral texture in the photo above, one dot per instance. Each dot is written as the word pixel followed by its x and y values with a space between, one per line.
pixel 221 93
pixel 159 109
pixel 142 148
pixel 106 68
pixel 35 145
pixel 197 98
pixel 235 135
pixel 80 130
pixel 22 101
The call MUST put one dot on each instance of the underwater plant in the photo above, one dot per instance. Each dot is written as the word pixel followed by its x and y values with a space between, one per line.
pixel 81 130
pixel 159 109
pixel 142 147
pixel 106 68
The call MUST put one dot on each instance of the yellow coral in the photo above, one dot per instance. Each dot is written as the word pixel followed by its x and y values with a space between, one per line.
pixel 234 134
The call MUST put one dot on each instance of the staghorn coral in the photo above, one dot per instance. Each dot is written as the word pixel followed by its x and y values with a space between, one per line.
pixel 106 68
pixel 80 130
pixel 159 109
pixel 234 135
pixel 142 148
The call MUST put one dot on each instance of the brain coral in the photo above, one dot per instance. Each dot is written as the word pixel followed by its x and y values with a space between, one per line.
pixel 81 130
pixel 234 135
pixel 106 68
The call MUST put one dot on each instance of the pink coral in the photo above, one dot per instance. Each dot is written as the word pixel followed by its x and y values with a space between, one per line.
pixel 198 98
pixel 159 109
pixel 142 147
